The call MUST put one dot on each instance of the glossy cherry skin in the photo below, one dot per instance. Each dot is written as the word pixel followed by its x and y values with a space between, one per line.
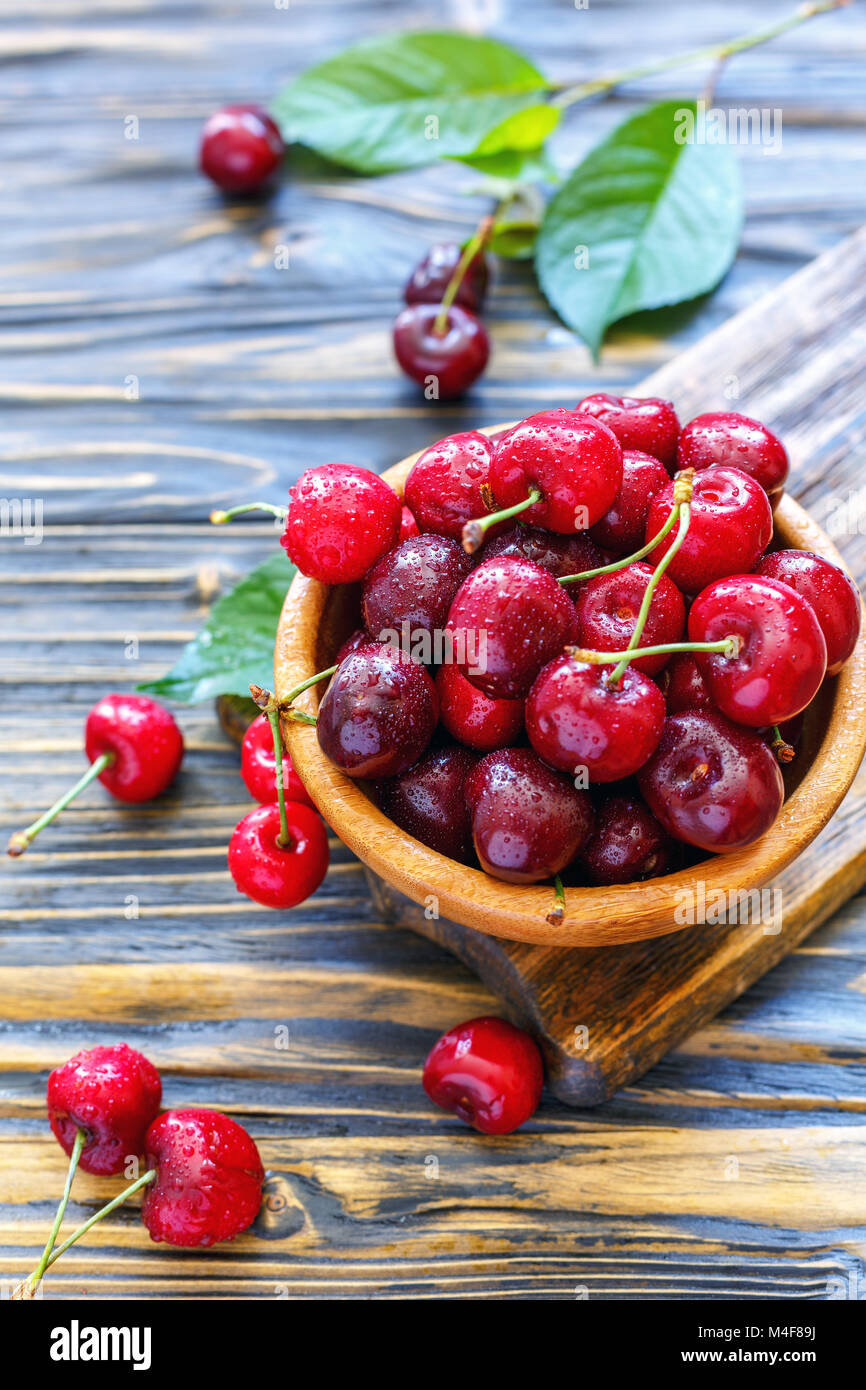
pixel 488 1073
pixel 408 526
pixel 259 767
pixel 646 423
pixel 209 1176
pixel 628 843
pixel 622 528
pixel 712 783
pixel 341 520
pixel 578 722
pixel 145 743
pixel 508 619
pixel 356 639
pixel 724 437
pixel 573 460
pixel 241 149
pixel 428 801
pixel 430 278
pixel 559 555
pixel 414 584
pixel 528 822
pixel 445 364
pixel 472 717
pixel 731 525
pixel 444 484
pixel 607 609
pixel 112 1093
pixel 683 685
pixel 782 655
pixel 827 588
pixel 378 713
pixel 270 873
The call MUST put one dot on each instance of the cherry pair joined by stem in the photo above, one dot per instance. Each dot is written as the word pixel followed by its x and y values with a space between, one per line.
pixel 438 340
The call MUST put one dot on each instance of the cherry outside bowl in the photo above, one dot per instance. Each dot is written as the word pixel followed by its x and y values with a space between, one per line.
pixel 316 619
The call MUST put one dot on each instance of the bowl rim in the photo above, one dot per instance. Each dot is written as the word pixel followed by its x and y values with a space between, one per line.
pixel 593 916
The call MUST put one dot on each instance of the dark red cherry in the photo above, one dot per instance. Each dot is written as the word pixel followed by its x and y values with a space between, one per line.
pixel 621 530
pixel 627 844
pixel 408 526
pixel 607 609
pixel 731 524
pixel 444 483
pixel 559 555
pixel 646 423
pixel 488 1073
pixel 781 658
pixel 413 585
pixel 724 437
pixel 580 723
pixel 827 588
pixel 445 364
pixel 341 520
pixel 378 713
pixel 508 619
pixel 428 801
pixel 430 278
pixel 711 782
pixel 241 148
pixel 472 717
pixel 574 461
pixel 683 684
pixel 356 639
pixel 528 822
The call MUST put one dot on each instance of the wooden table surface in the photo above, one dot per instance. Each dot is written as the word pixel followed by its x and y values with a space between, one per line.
pixel 155 364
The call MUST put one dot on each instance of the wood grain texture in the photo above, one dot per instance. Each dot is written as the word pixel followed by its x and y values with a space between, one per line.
pixel 732 1169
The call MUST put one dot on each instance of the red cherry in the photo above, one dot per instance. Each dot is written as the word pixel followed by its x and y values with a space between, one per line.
pixel 683 684
pixel 428 801
pixel 724 437
pixel 356 639
pixel 241 148
pixel 527 821
pixel 341 520
pixel 259 767
pixel 144 741
pixel 508 619
pixel 413 585
pixel 781 658
pixel 444 483
pixel 472 717
pixel 445 364
pixel 378 714
pixel 607 609
pixel 572 460
pixel 628 843
pixel 559 555
pixel 209 1176
pixel 112 1093
pixel 576 720
pixel 711 782
pixel 408 526
pixel 731 524
pixel 828 590
pixel 621 529
pixel 488 1073
pixel 646 423
pixel 431 277
pixel 278 875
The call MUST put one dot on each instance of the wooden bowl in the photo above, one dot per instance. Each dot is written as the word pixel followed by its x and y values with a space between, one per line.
pixel 316 618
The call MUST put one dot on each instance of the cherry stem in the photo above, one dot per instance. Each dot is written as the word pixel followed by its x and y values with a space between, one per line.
pixel 638 554
pixel 682 495
pixel 568 95
pixel 556 914
pixel 220 518
pixel 19 842
pixel 476 243
pixel 726 646
pixel 781 747
pixel 284 838
pixel 134 1187
pixel 32 1280
pixel 473 531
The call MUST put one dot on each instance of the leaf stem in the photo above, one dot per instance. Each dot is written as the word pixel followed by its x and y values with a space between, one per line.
pixel 476 243
pixel 22 838
pixel 582 91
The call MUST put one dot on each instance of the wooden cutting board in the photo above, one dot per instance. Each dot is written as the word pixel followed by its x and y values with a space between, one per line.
pixel 797 360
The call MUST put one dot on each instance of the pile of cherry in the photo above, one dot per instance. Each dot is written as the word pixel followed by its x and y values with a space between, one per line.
pixel 587 659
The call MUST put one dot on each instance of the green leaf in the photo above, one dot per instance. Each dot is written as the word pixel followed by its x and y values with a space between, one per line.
pixel 235 648
pixel 409 99
pixel 642 221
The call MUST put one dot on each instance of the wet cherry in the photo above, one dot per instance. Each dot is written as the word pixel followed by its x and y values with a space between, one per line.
pixel 269 872
pixel 646 423
pixel 827 588
pixel 112 1093
pixel 428 801
pixel 259 767
pixel 378 713
pixel 559 555
pixel 528 821
pixel 724 437
pixel 628 843
pixel 572 460
pixel 472 717
pixel 607 608
pixel 408 526
pixel 445 363
pixel 414 585
pixel 683 685
pixel 621 530
pixel 444 484
pixel 730 527
pixel 209 1175
pixel 341 520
